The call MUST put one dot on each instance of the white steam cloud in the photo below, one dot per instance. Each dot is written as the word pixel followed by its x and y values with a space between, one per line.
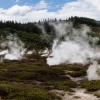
pixel 73 45
pixel 12 48
pixel 44 53
pixel 93 72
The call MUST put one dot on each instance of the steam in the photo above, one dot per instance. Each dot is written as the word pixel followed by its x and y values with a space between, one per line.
pixel 44 53
pixel 93 72
pixel 73 45
pixel 12 48
pixel 31 52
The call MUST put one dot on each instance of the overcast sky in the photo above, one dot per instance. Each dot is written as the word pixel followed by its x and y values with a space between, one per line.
pixel 35 10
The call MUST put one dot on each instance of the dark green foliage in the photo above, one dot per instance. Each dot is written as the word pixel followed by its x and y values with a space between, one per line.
pixel 32 80
pixel 26 27
pixel 45 75
pixel 75 68
pixel 32 35
pixel 31 71
pixel 32 27
pixel 78 73
pixel 16 91
pixel 83 20
pixel 31 40
pixel 61 85
pixel 91 85
pixel 3 92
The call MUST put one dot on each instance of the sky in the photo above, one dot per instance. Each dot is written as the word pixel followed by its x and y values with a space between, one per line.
pixel 35 10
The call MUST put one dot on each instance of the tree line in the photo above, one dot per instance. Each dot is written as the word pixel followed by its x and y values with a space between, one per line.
pixel 33 26
pixel 31 34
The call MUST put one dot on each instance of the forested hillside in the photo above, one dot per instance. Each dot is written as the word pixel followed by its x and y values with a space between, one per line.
pixel 32 33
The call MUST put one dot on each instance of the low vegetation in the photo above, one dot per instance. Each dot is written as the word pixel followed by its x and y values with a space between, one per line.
pixel 91 85
pixel 20 91
pixel 32 80
pixel 77 73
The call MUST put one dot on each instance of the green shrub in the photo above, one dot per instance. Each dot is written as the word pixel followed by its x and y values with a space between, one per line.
pixel 15 91
pixel 91 85
pixel 78 73
pixel 74 68
pixel 61 85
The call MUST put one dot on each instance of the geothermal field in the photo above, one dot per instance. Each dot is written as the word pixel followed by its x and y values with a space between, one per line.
pixel 61 65
pixel 49 49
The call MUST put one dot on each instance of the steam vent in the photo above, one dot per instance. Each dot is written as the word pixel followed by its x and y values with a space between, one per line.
pixel 50 50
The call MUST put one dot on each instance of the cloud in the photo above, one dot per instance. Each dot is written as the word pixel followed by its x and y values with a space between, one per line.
pixel 94 3
pixel 41 5
pixel 17 1
pixel 84 8
pixel 18 10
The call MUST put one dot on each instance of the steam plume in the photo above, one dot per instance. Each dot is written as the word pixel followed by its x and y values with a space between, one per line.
pixel 93 72
pixel 12 48
pixel 73 45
